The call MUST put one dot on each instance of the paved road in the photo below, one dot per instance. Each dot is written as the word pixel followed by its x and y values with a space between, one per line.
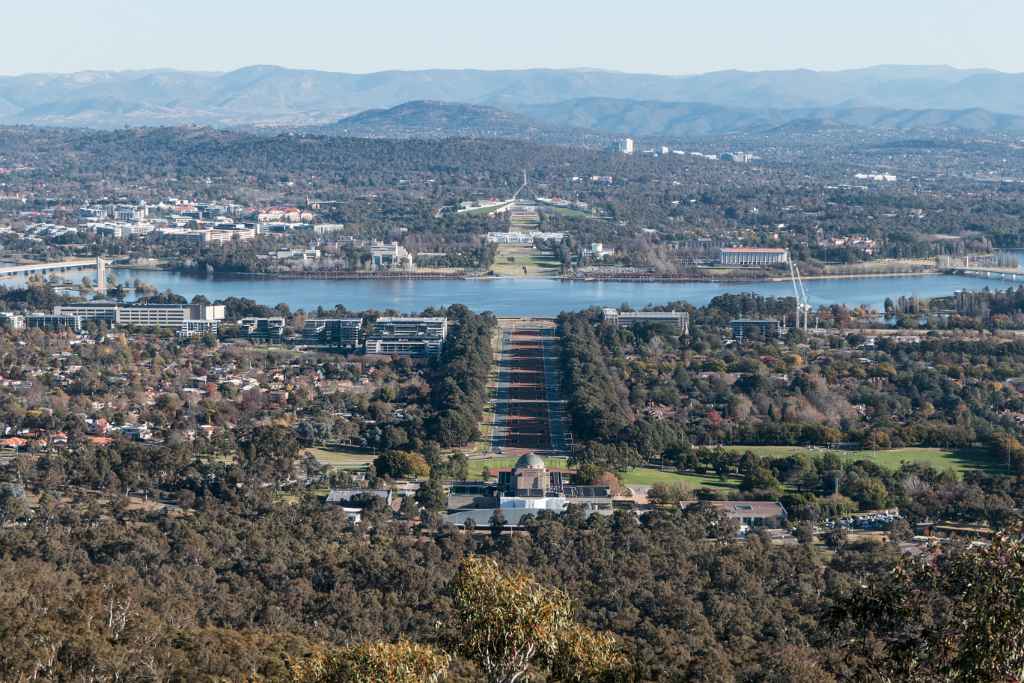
pixel 528 410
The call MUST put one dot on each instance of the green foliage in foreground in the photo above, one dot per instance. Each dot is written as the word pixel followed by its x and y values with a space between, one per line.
pixel 506 622
pixel 960 618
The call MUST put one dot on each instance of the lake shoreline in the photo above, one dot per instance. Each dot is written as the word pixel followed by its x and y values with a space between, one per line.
pixel 543 296
pixel 419 276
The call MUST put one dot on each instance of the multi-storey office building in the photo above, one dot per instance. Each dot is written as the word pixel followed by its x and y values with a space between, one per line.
pixel 407 336
pixel 756 329
pixel 262 328
pixel 46 321
pixel 342 333
pixel 679 320
pixel 186 318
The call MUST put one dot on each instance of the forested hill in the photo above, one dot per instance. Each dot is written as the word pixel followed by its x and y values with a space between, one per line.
pixel 430 119
pixel 653 118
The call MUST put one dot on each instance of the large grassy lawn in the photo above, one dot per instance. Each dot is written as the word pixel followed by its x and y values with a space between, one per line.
pixel 960 460
pixel 537 263
pixel 482 211
pixel 646 476
pixel 566 211
pixel 340 458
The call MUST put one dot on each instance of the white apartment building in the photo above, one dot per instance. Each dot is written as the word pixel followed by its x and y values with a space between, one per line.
pixel 187 318
pixel 215 235
pixel 123 230
pixel 407 336
pixel 677 319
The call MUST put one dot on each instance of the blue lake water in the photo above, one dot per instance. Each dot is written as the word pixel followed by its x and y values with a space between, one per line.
pixel 535 296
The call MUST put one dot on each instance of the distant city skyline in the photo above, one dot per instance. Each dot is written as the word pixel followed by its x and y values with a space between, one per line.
pixel 641 37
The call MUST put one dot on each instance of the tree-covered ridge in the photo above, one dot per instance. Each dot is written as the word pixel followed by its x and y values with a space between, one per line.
pixel 247 591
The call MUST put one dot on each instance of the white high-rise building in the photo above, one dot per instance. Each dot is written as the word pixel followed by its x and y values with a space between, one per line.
pixel 407 336
pixel 627 146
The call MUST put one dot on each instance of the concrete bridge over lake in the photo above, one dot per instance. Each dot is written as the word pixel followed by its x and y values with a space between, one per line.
pixel 98 263
pixel 1011 274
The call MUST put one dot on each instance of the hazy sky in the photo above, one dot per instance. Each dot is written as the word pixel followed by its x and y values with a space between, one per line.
pixel 660 36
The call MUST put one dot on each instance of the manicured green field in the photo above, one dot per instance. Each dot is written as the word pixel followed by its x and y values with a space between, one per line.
pixel 484 210
pixel 537 263
pixel 340 458
pixel 566 211
pixel 960 460
pixel 645 476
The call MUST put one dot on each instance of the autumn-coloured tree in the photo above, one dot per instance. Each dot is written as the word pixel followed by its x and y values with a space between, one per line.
pixel 401 662
pixel 506 622
pixel 669 493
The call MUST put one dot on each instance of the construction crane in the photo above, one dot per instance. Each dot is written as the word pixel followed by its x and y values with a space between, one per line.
pixel 803 306
pixel 803 294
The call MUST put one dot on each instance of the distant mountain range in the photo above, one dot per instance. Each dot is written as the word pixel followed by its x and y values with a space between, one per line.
pixel 529 103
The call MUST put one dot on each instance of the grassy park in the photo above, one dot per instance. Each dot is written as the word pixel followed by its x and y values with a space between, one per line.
pixel 512 259
pixel 647 476
pixel 960 460
pixel 566 211
pixel 339 457
pixel 483 210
